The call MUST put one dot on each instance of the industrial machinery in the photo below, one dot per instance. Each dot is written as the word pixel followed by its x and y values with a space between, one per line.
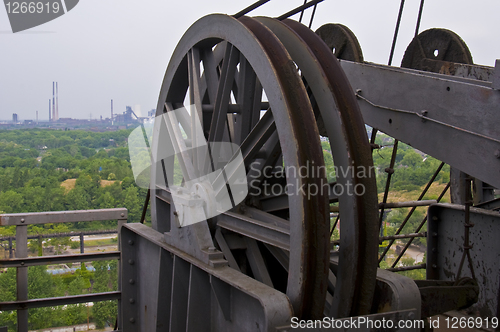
pixel 228 252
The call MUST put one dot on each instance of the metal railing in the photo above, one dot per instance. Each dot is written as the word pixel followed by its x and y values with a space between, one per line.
pixel 22 261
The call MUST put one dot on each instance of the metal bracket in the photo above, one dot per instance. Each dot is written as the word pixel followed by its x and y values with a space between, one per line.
pixel 165 289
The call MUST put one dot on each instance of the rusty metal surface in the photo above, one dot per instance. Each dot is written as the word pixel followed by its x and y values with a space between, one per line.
pixel 309 285
pixel 361 239
pixel 443 51
pixel 445 240
pixel 342 41
pixel 318 83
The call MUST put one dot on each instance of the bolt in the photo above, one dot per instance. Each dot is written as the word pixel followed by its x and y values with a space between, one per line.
pixel 131 242
pixel 434 266
pixel 132 320
pixel 131 300
pixel 423 114
pixel 131 281
pixel 497 153
pixel 22 220
pixel 435 218
pixel 123 214
pixel 358 91
pixel 22 263
pixel 131 261
pixel 389 170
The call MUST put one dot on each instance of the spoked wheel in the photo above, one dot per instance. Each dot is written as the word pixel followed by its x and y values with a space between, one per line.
pixel 247 90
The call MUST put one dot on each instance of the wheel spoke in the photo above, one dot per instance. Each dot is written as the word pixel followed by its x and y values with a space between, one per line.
pixel 179 144
pixel 210 76
pixel 249 95
pixel 222 98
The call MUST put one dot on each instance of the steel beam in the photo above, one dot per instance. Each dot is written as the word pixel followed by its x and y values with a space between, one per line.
pixel 62 216
pixel 433 113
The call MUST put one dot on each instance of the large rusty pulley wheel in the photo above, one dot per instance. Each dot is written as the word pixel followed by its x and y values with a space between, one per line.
pixel 342 41
pixel 247 90
pixel 435 45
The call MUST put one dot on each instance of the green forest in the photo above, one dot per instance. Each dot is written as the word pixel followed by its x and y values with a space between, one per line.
pixel 57 170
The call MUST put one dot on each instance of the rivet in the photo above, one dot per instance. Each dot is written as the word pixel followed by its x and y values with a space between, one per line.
pixel 131 300
pixel 22 263
pixel 123 214
pixel 434 218
pixel 131 281
pixel 131 242
pixel 22 220
pixel 434 266
pixel 132 320
pixel 131 261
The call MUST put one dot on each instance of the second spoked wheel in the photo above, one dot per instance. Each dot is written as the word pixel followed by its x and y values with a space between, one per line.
pixel 250 87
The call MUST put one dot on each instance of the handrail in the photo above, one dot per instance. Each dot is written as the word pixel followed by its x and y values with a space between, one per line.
pixel 56 301
pixel 52 217
pixel 22 261
pixel 59 259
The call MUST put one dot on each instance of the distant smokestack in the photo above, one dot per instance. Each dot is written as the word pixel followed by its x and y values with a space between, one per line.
pixel 57 103
pixel 111 109
pixel 50 118
pixel 36 117
pixel 53 103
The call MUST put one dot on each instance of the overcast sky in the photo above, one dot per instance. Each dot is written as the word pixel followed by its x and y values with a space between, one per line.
pixel 119 49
